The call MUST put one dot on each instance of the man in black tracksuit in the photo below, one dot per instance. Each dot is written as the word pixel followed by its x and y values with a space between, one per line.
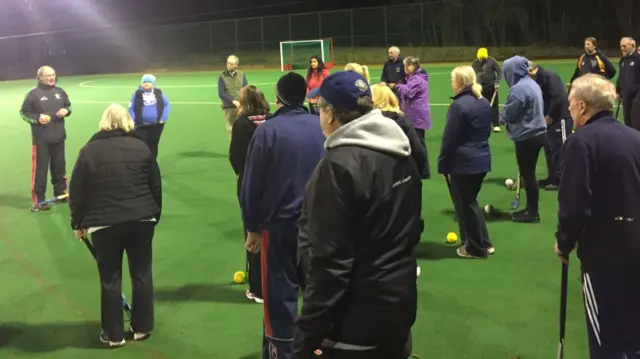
pixel 363 201
pixel 593 61
pixel 45 108
pixel 628 84
pixel 558 118
pixel 599 211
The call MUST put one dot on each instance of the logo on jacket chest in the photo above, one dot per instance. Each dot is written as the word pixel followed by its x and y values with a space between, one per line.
pixel 594 63
pixel 148 99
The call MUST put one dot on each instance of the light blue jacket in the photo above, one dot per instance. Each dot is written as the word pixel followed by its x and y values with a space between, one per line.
pixel 523 110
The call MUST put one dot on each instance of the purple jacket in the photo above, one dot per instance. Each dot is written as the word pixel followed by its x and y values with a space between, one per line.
pixel 414 99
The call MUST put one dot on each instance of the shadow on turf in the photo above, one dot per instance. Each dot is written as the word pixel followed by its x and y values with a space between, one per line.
pixel 50 337
pixel 435 251
pixel 208 292
pixel 495 181
pixel 14 201
pixel 204 154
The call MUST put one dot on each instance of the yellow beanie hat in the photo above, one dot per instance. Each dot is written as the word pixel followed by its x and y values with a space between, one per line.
pixel 483 53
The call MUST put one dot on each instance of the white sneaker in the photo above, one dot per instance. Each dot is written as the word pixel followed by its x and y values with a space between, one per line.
pixel 254 298
pixel 105 339
pixel 417 271
pixel 496 129
pixel 137 336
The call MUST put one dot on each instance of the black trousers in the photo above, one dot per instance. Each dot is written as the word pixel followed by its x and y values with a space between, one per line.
pixel 527 153
pixel 43 158
pixel 426 174
pixel 473 228
pixel 253 261
pixel 611 298
pixel 487 92
pixel 631 111
pixel 151 134
pixel 110 243
pixel 553 148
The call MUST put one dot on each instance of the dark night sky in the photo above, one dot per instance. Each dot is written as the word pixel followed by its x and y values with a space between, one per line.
pixel 31 16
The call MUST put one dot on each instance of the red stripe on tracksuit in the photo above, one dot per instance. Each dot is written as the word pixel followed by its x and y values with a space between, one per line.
pixel 264 250
pixel 34 153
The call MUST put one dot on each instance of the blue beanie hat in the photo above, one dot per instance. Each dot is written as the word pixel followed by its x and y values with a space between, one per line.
pixel 149 78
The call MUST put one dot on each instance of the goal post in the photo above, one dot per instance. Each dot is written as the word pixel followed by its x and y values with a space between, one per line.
pixel 294 55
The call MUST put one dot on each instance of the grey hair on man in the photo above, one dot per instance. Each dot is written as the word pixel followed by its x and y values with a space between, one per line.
pixel 598 93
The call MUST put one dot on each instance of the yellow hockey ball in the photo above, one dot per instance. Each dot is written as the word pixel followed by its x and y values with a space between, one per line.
pixel 239 277
pixel 452 237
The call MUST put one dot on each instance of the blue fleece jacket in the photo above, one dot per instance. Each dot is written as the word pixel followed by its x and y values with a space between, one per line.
pixel 282 155
pixel 523 110
pixel 149 107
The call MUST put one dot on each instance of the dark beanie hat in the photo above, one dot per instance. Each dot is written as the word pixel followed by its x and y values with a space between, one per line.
pixel 291 89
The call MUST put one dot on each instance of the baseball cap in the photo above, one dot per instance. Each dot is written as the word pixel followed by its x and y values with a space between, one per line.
pixel 342 89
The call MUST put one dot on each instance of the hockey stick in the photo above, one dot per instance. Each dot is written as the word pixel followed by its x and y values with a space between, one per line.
pixel 618 109
pixel 516 202
pixel 563 309
pixel 54 199
pixel 493 98
pixel 125 304
pixel 453 201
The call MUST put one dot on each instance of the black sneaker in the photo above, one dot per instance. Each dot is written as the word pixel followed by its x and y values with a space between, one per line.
pixel 105 339
pixel 40 207
pixel 525 217
pixel 543 182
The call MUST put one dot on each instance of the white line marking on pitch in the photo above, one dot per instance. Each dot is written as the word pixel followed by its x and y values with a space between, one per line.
pixel 85 84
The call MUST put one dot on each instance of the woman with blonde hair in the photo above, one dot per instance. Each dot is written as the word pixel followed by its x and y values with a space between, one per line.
pixel 363 70
pixel 115 196
pixel 386 101
pixel 465 158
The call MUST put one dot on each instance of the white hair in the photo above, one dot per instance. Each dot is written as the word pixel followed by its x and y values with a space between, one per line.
pixel 629 40
pixel 42 70
pixel 234 58
pixel 116 117
pixel 598 93
pixel 395 49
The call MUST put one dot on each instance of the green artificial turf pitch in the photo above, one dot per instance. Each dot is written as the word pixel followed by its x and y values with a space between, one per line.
pixel 499 308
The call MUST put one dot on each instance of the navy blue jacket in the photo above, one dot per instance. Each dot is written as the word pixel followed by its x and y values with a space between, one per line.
pixel 465 142
pixel 282 154
pixel 628 84
pixel 554 94
pixel 393 72
pixel 599 194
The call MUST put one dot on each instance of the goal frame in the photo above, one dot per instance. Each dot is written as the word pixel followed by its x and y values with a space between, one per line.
pixel 328 65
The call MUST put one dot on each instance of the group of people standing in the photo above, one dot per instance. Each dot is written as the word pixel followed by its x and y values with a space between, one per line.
pixel 115 191
pixel 323 186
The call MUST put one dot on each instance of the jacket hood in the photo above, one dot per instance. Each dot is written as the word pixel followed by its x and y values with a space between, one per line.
pixel 372 131
pixel 422 73
pixel 515 69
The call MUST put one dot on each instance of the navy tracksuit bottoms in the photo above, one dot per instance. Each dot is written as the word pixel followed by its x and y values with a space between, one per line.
pixel 280 284
pixel 612 305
